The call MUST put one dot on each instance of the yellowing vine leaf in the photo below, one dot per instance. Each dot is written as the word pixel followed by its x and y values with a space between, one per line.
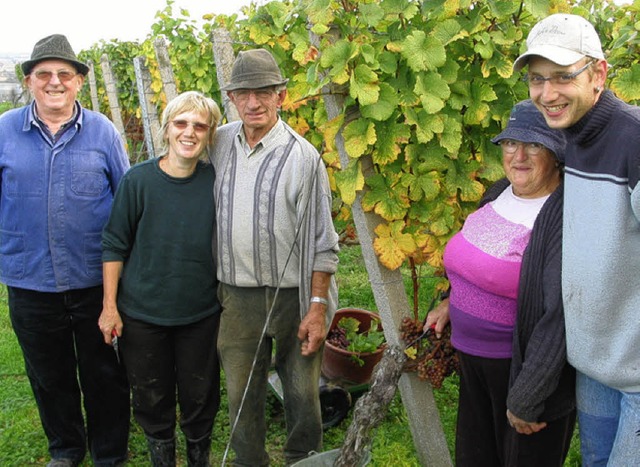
pixel 390 137
pixel 358 135
pixel 349 181
pixel 386 198
pixel 392 245
pixel 627 84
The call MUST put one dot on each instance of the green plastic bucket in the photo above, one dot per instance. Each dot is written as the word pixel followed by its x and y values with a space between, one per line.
pixel 326 459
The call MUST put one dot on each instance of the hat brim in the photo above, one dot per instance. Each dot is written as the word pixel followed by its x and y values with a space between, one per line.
pixel 254 83
pixel 29 64
pixel 526 136
pixel 558 55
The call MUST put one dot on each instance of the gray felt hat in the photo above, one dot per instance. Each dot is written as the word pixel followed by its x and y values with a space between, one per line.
pixel 54 47
pixel 254 69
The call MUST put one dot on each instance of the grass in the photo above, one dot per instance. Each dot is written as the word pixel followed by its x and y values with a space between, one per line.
pixel 22 441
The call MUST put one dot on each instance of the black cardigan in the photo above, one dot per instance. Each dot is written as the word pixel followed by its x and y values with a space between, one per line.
pixel 542 383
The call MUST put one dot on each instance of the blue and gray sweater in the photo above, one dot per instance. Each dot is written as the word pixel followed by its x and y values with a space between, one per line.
pixel 601 244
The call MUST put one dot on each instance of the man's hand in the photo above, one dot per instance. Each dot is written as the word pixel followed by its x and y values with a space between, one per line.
pixel 523 427
pixel 313 329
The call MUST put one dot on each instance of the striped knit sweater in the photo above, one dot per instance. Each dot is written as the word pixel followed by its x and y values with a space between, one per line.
pixel 601 252
pixel 542 384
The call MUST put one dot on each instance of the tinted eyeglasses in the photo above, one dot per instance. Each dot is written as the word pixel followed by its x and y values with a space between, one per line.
pixel 46 75
pixel 197 126
pixel 511 146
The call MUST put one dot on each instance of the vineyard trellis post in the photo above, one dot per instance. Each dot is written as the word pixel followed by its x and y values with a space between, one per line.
pixel 149 113
pixel 165 68
pixel 112 95
pixel 224 58
pixel 93 88
pixel 393 305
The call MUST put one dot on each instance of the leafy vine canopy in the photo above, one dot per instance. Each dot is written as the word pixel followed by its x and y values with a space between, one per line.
pixel 422 87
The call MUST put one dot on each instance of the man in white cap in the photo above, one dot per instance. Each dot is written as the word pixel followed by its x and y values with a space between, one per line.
pixel 277 253
pixel 60 165
pixel 601 237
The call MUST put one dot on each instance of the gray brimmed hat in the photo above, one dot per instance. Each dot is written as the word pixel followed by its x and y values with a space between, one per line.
pixel 527 124
pixel 54 47
pixel 563 39
pixel 254 69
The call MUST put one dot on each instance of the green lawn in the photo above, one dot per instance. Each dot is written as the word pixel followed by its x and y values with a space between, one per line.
pixel 22 442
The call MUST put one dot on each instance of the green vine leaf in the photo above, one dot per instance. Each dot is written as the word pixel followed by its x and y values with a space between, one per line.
pixel 364 85
pixel 421 52
pixel 385 106
pixel 432 91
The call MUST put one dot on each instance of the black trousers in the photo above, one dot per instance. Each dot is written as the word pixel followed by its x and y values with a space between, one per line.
pixel 62 345
pixel 483 435
pixel 161 359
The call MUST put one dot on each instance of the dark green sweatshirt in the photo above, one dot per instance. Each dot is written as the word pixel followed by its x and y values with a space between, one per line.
pixel 161 228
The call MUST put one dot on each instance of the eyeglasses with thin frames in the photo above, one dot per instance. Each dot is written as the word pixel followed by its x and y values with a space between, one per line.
pixel 561 79
pixel 261 94
pixel 199 127
pixel 511 146
pixel 46 75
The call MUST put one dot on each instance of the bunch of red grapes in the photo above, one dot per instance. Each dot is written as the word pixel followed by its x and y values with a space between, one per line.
pixel 435 358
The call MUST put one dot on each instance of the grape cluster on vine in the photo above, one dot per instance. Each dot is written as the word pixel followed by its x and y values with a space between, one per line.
pixel 432 358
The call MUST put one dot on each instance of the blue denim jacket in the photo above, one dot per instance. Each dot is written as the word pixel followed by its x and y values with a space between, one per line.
pixel 55 200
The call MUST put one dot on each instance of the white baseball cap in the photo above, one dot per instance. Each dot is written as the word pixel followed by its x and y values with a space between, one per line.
pixel 563 39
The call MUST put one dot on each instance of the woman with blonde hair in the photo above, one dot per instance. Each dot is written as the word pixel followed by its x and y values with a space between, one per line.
pixel 160 283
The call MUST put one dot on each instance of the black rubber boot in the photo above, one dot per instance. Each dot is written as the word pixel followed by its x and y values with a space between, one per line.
pixel 198 452
pixel 162 452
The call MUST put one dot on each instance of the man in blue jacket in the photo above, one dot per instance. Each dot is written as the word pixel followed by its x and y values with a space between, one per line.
pixel 59 168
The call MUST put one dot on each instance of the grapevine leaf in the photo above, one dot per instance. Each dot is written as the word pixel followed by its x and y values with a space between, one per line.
pixel 358 135
pixel 384 107
pixel 330 130
pixel 422 186
pixel 478 110
pixel 371 13
pixel 451 138
pixel 388 201
pixel 364 85
pixel 392 245
pixel 390 136
pixel 538 8
pixel 426 124
pixel 448 30
pixel 422 52
pixel 627 84
pixel 349 181
pixel 336 58
pixel 432 91
pixel 400 7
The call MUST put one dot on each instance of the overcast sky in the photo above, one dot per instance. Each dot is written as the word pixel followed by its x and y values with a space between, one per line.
pixel 85 22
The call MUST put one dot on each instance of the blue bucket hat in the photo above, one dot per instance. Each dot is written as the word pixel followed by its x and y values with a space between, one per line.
pixel 527 124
